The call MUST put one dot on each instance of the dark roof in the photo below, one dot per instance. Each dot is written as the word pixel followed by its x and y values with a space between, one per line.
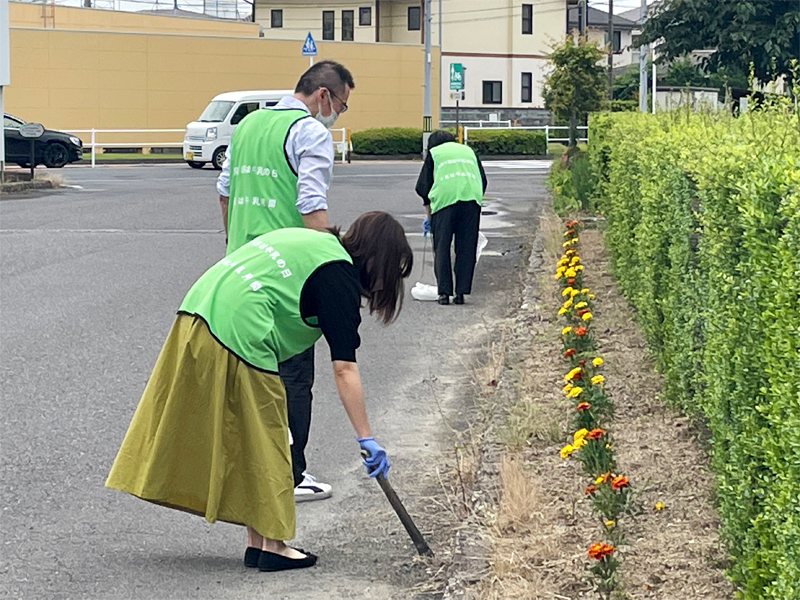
pixel 599 18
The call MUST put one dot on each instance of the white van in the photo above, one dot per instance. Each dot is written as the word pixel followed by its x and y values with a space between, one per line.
pixel 207 138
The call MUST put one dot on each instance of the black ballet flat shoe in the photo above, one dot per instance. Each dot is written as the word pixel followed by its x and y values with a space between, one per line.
pixel 458 299
pixel 251 556
pixel 443 299
pixel 269 561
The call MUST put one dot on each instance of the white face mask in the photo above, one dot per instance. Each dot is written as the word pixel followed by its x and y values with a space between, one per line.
pixel 330 119
pixel 327 121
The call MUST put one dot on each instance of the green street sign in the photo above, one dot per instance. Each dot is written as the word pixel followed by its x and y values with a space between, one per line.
pixel 456 76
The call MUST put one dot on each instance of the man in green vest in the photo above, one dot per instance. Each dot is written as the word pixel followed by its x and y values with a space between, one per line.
pixel 451 185
pixel 276 175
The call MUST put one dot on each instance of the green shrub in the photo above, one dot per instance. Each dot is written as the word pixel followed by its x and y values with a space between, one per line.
pixel 621 105
pixel 572 183
pixel 388 141
pixel 703 216
pixel 495 142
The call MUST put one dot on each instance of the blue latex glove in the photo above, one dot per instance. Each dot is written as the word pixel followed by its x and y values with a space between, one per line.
pixel 426 227
pixel 375 458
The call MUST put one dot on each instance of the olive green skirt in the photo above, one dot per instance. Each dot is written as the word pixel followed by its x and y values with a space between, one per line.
pixel 210 437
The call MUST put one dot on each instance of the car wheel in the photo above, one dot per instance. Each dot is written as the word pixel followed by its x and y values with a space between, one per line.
pixel 219 157
pixel 196 165
pixel 55 155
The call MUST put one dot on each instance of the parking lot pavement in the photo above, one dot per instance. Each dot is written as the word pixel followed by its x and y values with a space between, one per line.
pixel 91 277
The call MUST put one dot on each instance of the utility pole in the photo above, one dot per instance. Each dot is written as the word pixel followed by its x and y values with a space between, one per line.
pixel 643 63
pixel 610 49
pixel 427 120
pixel 585 18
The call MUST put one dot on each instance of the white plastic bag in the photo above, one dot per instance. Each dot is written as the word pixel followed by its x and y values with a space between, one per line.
pixel 424 292
pixel 482 242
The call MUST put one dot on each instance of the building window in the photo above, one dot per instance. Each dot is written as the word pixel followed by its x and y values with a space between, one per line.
pixel 617 46
pixel 328 17
pixel 348 23
pixel 527 19
pixel 365 16
pixel 276 18
pixel 414 18
pixel 492 92
pixel 527 87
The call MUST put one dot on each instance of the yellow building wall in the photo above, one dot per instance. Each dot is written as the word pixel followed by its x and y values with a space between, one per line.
pixel 109 80
pixel 27 14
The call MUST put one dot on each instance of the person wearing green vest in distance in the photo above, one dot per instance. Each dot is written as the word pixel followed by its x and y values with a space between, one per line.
pixel 210 434
pixel 276 174
pixel 451 185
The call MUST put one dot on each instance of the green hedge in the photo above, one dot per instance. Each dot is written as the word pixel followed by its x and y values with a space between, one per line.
pixel 488 142
pixel 703 217
pixel 572 182
pixel 387 141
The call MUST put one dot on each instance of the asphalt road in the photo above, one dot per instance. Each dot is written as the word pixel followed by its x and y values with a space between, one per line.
pixel 90 279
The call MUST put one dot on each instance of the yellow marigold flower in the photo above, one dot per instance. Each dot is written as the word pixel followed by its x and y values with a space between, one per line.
pixel 568 302
pixel 591 296
pixel 597 361
pixel 575 391
pixel 566 451
pixel 586 316
pixel 570 272
pixel 575 260
pixel 585 291
pixel 573 292
pixel 562 311
pixel 567 291
pixel 579 436
pixel 609 523
pixel 598 379
pixel 567 388
pixel 565 244
pixel 581 305
pixel 566 330
pixel 571 375
pixel 578 267
pixel 659 506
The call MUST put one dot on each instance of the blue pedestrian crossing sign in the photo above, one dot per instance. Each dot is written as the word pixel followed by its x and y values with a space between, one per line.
pixel 309 47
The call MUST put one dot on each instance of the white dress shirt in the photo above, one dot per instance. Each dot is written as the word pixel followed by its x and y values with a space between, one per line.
pixel 309 148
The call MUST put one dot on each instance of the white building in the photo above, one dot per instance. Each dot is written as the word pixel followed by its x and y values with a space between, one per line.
pixel 501 44
pixel 624 30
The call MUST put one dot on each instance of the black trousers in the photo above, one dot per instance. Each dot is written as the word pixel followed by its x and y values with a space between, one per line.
pixel 461 220
pixel 297 374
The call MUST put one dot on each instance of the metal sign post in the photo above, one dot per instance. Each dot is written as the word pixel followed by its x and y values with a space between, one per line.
pixel 5 77
pixel 309 49
pixel 457 88
pixel 32 131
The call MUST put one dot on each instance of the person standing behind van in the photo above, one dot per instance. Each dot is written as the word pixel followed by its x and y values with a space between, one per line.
pixel 276 175
pixel 451 185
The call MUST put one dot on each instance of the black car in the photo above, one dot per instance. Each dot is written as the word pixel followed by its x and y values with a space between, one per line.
pixel 53 149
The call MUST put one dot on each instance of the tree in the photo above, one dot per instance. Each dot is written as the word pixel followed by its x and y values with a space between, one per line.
pixel 764 33
pixel 577 84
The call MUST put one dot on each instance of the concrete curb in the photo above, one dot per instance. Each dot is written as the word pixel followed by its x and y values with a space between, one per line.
pixel 18 187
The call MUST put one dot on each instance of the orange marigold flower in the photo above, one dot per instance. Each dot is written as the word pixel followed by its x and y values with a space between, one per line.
pixel 571 280
pixel 569 352
pixel 583 406
pixel 598 550
pixel 583 311
pixel 603 478
pixel 582 362
pixel 620 481
pixel 590 489
pixel 571 223
pixel 580 330
pixel 596 434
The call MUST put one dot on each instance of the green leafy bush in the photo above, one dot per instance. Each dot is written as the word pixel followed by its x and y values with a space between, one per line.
pixel 572 182
pixel 703 217
pixel 621 105
pixel 495 142
pixel 387 141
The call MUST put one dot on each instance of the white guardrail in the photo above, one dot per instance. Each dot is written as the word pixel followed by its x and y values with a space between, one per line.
pixel 547 132
pixel 343 145
pixel 481 124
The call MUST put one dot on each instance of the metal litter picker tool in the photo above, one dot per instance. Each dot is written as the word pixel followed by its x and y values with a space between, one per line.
pixel 419 542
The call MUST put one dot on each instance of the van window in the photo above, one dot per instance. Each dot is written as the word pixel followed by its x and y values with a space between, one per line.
pixel 244 109
pixel 216 111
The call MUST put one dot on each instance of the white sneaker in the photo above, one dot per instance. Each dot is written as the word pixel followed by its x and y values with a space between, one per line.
pixel 311 489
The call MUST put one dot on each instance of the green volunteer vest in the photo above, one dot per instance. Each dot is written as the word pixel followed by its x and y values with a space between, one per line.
pixel 456 176
pixel 263 187
pixel 251 298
